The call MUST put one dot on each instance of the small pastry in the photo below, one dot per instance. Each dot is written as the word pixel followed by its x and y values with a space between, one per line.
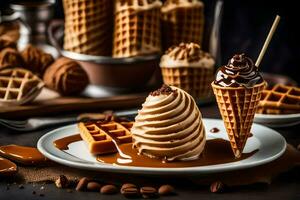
pixel 66 77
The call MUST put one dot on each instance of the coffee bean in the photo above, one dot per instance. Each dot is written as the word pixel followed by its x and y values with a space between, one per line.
pixel 93 186
pixel 217 187
pixel 21 186
pixel 82 184
pixel 148 192
pixel 166 190
pixel 129 190
pixel 109 189
pixel 298 147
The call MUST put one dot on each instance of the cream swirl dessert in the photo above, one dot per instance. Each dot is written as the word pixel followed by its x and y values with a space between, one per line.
pixel 169 126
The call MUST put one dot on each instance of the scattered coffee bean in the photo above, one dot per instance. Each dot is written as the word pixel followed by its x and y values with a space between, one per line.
pixel 41 195
pixel 217 187
pixel 33 192
pixel 21 186
pixel 109 189
pixel 93 186
pixel 62 182
pixel 148 192
pixel 129 190
pixel 165 190
pixel 82 184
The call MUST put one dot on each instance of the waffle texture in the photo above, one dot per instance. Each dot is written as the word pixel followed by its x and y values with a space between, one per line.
pixel 237 107
pixel 88 26
pixel 182 21
pixel 280 99
pixel 194 81
pixel 18 86
pixel 136 28
pixel 102 137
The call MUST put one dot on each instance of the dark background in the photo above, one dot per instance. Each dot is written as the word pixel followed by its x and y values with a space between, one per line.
pixel 245 26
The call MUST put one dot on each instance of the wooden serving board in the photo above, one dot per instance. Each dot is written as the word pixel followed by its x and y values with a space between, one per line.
pixel 49 102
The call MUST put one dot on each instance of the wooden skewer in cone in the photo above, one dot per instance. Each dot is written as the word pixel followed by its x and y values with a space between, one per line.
pixel 266 44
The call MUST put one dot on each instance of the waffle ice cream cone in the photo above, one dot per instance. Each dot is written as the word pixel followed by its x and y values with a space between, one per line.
pixel 186 66
pixel 237 107
pixel 182 21
pixel 88 26
pixel 136 28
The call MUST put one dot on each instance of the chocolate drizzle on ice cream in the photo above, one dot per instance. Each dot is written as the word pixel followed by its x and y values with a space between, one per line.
pixel 240 71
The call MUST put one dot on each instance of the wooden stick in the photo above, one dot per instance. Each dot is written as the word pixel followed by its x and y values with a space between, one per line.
pixel 266 44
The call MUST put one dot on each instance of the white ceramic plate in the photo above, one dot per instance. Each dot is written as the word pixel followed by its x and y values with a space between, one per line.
pixel 270 143
pixel 278 120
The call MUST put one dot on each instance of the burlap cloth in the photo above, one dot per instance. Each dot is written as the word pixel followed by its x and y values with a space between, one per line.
pixel 260 174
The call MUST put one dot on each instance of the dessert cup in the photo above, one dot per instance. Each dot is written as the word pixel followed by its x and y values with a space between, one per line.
pixel 189 68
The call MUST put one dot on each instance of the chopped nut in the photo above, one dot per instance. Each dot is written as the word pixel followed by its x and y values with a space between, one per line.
pixel 62 182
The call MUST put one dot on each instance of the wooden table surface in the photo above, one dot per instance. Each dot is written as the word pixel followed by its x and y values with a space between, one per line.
pixel 284 187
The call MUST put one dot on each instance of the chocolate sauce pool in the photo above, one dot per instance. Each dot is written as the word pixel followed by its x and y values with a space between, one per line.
pixel 217 151
pixel 7 167
pixel 23 154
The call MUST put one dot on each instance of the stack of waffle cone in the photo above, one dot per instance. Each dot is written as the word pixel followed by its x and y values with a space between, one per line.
pixel 237 107
pixel 88 26
pixel 136 28
pixel 182 21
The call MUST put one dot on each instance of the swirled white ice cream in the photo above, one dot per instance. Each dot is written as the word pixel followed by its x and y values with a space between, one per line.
pixel 169 126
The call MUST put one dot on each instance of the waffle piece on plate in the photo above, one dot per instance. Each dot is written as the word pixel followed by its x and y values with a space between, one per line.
pixel 280 99
pixel 88 26
pixel 137 28
pixel 18 86
pixel 182 21
pixel 102 136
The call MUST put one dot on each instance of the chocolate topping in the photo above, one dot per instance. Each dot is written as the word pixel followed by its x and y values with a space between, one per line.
pixel 164 90
pixel 240 71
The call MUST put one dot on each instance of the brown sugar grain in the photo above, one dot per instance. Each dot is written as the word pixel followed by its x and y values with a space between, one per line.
pixel 82 184
pixel 165 190
pixel 108 189
pixel 93 186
